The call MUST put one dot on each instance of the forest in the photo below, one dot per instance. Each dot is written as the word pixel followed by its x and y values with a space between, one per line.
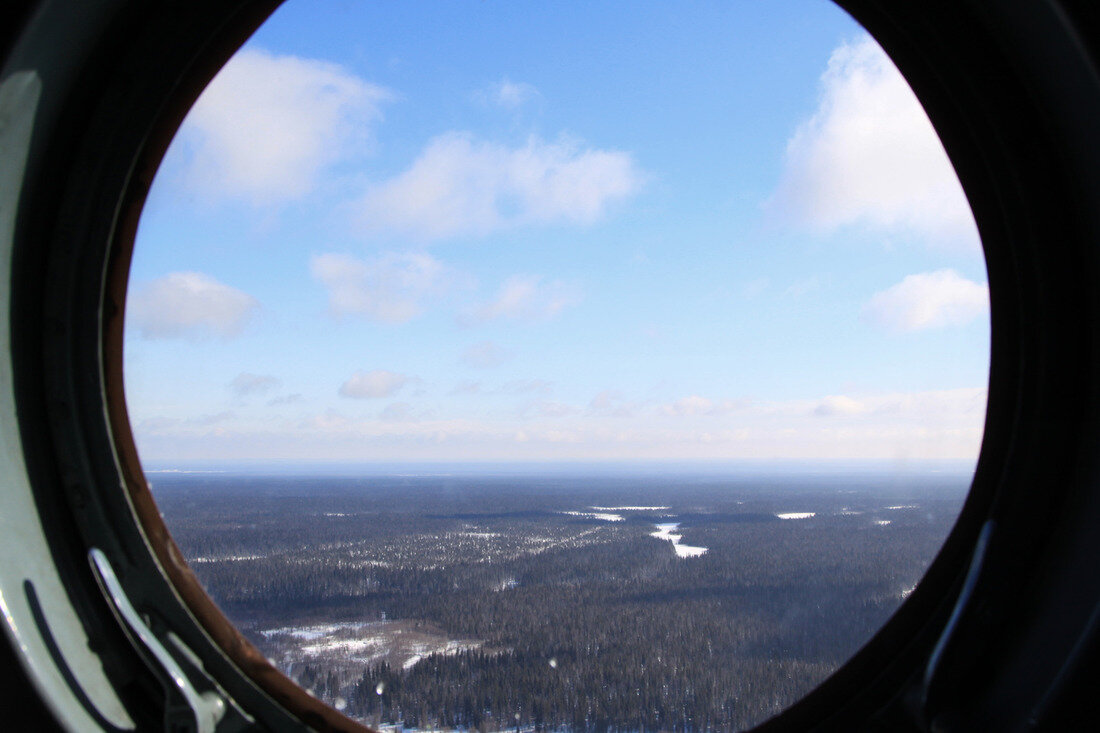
pixel 501 602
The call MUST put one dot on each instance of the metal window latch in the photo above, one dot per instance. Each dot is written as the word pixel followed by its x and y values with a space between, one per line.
pixel 186 708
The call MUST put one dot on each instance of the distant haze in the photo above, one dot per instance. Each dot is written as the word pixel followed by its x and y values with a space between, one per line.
pixel 682 469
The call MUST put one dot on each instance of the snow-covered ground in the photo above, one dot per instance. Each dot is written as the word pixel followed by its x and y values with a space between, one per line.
pixel 605 516
pixel 403 643
pixel 665 532
pixel 228 558
pixel 317 631
pixel 796 515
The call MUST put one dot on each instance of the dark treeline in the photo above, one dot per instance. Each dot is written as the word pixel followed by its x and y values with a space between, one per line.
pixel 582 623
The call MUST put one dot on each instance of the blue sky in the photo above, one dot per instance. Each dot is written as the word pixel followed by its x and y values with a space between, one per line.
pixel 508 231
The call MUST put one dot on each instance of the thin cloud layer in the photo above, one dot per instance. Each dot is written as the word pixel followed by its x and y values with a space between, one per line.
pixel 898 426
pixel 869 156
pixel 698 405
pixel 547 408
pixel 463 186
pixel 373 384
pixel 392 288
pixel 189 305
pixel 611 403
pixel 397 412
pixel 268 125
pixel 933 408
pixel 525 297
pixel 928 300
pixel 838 405
pixel 247 383
pixel 485 355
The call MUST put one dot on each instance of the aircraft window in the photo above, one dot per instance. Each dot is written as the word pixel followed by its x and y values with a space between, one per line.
pixel 566 367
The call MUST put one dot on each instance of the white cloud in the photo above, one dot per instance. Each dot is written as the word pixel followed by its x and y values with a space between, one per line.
pixel 869 156
pixel 462 186
pixel 391 288
pixel 838 405
pixel 267 125
pixel 373 385
pixel 485 355
pixel 510 94
pixel 189 305
pixel 928 300
pixel 247 383
pixel 525 297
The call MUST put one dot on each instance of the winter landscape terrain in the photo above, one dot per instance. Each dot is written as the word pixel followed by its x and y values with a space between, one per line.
pixel 566 601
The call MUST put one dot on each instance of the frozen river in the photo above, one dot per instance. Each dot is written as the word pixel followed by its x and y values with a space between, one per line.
pixel 665 532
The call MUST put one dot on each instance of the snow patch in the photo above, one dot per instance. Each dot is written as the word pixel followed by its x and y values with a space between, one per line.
pixel 228 558
pixel 309 633
pixel 344 647
pixel 796 515
pixel 606 517
pixel 665 532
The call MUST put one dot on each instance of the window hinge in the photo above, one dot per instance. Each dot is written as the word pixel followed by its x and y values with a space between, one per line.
pixel 186 708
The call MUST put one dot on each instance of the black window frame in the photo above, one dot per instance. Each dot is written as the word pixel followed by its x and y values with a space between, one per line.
pixel 1001 633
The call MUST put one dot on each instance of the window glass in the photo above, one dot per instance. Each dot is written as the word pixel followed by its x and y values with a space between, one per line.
pixel 558 366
